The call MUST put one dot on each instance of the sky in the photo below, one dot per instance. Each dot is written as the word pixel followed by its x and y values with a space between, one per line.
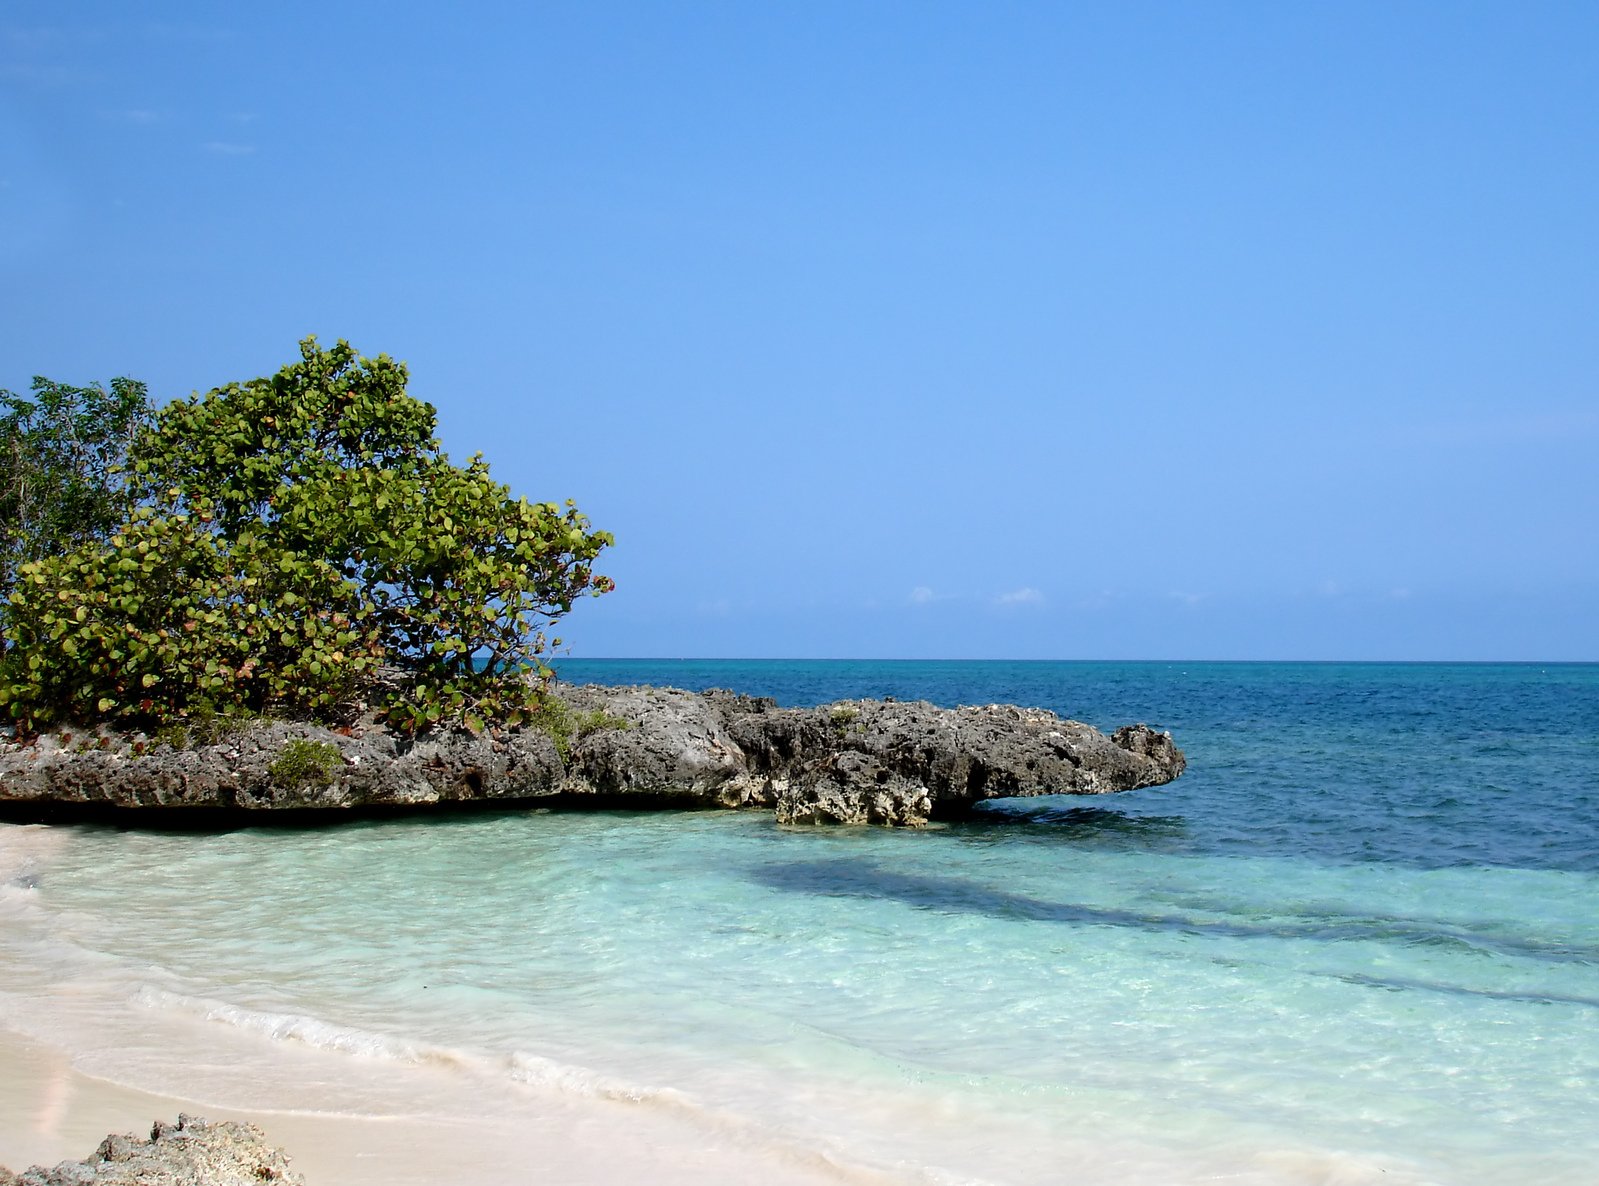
pixel 900 330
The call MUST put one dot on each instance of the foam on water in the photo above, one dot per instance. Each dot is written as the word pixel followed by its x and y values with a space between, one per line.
pixel 298 1028
pixel 1124 991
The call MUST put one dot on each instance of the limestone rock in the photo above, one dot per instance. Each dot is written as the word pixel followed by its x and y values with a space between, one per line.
pixel 856 761
pixel 849 787
pixel 649 741
pixel 191 1152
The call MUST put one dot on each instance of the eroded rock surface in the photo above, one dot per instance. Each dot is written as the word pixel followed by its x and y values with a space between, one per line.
pixel 188 1153
pixel 858 761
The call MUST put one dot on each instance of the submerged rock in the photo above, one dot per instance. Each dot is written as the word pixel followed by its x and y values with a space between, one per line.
pixel 191 1152
pixel 855 761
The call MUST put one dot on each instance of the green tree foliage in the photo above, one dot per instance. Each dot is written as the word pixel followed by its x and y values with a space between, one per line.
pixel 307 523
pixel 61 458
pixel 167 619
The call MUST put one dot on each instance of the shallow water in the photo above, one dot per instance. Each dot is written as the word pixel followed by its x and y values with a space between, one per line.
pixel 1357 942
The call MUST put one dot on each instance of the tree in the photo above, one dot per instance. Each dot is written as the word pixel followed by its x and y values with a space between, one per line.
pixel 61 459
pixel 167 620
pixel 314 511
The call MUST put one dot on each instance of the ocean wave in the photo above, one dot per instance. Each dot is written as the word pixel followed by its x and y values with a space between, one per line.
pixel 729 1127
pixel 535 1071
pixel 520 1066
pixel 299 1027
pixel 538 1071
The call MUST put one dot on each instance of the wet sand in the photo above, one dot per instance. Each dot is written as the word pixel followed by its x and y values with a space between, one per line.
pixel 51 1112
pixel 79 1061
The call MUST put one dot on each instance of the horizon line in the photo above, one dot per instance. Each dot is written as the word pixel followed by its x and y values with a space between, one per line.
pixel 1001 659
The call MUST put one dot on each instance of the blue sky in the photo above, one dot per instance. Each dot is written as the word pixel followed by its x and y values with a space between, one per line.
pixel 889 329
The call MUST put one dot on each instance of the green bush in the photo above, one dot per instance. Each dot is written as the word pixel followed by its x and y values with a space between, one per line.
pixel 165 621
pixel 305 763
pixel 566 728
pixel 284 539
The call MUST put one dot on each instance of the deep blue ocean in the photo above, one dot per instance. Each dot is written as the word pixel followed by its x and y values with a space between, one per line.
pixel 1356 942
pixel 1423 765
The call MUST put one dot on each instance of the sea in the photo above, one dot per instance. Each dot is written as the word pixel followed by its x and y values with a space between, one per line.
pixel 1356 942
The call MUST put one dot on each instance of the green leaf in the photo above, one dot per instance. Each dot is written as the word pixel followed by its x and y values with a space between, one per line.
pixel 293 520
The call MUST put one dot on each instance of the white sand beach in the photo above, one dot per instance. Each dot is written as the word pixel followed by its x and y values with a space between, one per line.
pixel 80 1057
pixel 50 1111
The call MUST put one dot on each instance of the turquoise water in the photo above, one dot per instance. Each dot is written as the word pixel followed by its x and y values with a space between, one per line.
pixel 1357 942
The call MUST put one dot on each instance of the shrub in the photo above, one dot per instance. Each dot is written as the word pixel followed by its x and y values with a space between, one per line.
pixel 285 538
pixel 165 621
pixel 566 728
pixel 305 763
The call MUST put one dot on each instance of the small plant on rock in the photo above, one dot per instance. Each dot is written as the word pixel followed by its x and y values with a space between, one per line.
pixel 566 728
pixel 305 763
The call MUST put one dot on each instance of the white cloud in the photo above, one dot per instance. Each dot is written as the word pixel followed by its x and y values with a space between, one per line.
pixel 921 595
pixel 225 148
pixel 1024 596
pixel 1187 598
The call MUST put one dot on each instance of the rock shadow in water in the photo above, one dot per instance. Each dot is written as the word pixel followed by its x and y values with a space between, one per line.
pixel 1074 824
pixel 1400 984
pixel 853 877
pixel 856 877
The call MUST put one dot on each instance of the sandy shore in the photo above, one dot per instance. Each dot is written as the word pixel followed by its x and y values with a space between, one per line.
pixel 50 1112
pixel 80 1059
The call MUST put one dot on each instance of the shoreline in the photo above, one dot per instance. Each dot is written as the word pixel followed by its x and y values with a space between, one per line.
pixel 1278 978
pixel 51 1111
pixel 80 1059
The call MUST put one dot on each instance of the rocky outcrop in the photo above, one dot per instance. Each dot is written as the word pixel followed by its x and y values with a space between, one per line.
pixel 188 1153
pixel 884 761
pixel 857 761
